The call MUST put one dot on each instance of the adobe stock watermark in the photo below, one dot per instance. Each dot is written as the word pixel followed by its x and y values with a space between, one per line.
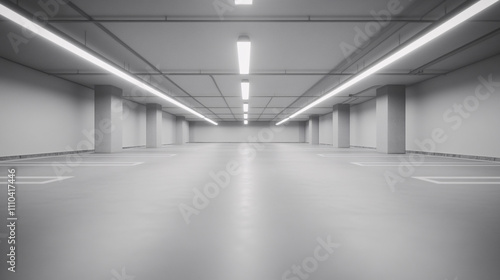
pixel 221 179
pixel 455 117
pixel 381 19
pixel 48 9
pixel 122 275
pixel 310 264
pixel 223 7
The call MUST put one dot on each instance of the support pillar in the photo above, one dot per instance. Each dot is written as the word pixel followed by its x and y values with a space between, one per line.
pixel 108 107
pixel 182 131
pixel 154 125
pixel 313 130
pixel 391 119
pixel 342 126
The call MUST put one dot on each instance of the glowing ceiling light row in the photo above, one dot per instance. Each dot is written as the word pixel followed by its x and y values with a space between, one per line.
pixel 244 50
pixel 45 33
pixel 428 37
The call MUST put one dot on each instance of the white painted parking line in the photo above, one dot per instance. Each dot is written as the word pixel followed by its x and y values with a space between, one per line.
pixel 72 164
pixel 461 180
pixel 129 156
pixel 355 156
pixel 424 164
pixel 35 180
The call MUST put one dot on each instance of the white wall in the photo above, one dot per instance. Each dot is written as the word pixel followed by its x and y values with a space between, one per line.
pixel 169 129
pixel 326 129
pixel 42 114
pixel 134 124
pixel 430 107
pixel 364 124
pixel 236 132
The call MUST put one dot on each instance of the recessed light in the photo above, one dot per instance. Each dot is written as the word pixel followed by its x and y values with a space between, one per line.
pixel 245 108
pixel 243 2
pixel 245 89
pixel 244 47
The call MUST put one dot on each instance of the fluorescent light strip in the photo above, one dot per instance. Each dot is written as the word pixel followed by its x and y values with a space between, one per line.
pixel 243 2
pixel 245 116
pixel 430 36
pixel 35 28
pixel 245 89
pixel 245 122
pixel 244 47
pixel 245 108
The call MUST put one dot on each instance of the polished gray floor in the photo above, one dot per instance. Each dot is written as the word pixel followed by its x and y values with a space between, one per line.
pixel 292 211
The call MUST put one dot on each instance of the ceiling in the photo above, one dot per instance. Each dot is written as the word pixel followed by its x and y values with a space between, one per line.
pixel 300 49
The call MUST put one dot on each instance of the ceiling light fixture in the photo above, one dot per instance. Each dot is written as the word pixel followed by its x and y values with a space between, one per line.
pixel 245 116
pixel 428 37
pixel 245 89
pixel 71 47
pixel 243 2
pixel 245 108
pixel 245 122
pixel 244 47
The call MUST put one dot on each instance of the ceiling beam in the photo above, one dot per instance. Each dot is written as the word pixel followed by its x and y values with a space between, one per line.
pixel 201 73
pixel 420 70
pixel 168 19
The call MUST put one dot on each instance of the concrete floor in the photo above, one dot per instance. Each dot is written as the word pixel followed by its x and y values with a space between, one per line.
pixel 118 216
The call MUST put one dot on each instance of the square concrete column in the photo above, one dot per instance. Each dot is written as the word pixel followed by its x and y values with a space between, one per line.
pixel 182 131
pixel 342 126
pixel 313 130
pixel 391 119
pixel 154 125
pixel 108 107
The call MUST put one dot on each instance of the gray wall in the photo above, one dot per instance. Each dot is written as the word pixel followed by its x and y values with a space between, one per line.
pixel 169 128
pixel 134 124
pixel 42 114
pixel 306 129
pixel 326 129
pixel 236 132
pixel 364 124
pixel 430 109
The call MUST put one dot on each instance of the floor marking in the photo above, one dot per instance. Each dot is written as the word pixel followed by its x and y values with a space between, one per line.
pixel 455 158
pixel 132 155
pixel 71 164
pixel 24 180
pixel 450 180
pixel 423 164
pixel 43 157
pixel 355 156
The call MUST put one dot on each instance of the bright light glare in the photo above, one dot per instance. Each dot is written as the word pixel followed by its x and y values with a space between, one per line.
pixel 430 36
pixel 245 122
pixel 283 121
pixel 245 89
pixel 245 116
pixel 35 28
pixel 245 108
pixel 243 2
pixel 244 47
